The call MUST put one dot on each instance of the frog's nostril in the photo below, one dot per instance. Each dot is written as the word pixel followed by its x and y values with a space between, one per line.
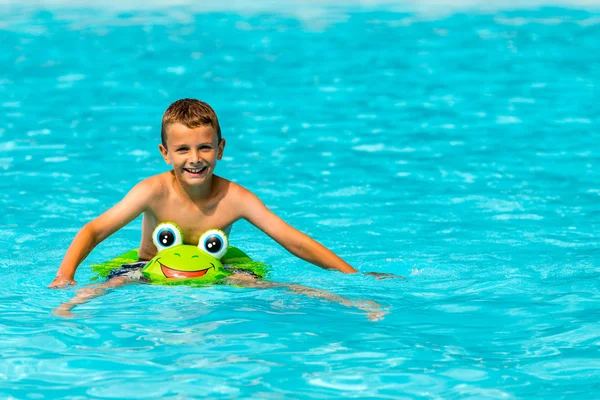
pixel 195 256
pixel 177 254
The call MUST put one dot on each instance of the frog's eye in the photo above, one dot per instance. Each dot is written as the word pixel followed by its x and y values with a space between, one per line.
pixel 214 242
pixel 166 235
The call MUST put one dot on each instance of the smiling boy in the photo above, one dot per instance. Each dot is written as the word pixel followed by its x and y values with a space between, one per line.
pixel 192 196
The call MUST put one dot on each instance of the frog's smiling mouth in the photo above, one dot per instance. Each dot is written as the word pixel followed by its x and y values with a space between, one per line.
pixel 178 274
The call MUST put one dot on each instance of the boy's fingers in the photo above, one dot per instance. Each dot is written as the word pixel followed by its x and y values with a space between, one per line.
pixel 383 275
pixel 62 312
pixel 60 283
pixel 54 284
pixel 376 315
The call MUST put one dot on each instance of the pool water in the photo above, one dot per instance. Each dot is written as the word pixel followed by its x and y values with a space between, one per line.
pixel 459 149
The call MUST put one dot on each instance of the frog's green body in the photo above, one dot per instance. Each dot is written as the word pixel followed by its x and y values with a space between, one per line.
pixel 176 263
pixel 184 265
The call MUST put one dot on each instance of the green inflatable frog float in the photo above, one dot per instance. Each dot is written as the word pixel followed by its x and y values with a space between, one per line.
pixel 176 263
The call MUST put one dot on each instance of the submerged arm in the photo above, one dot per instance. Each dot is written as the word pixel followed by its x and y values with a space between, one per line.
pixel 374 311
pixel 86 294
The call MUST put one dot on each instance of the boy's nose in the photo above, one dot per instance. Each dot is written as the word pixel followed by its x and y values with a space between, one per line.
pixel 195 155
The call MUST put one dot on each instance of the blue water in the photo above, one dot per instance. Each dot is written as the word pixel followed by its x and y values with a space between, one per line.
pixel 459 149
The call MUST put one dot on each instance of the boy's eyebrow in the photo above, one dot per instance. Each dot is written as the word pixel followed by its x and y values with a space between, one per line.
pixel 187 145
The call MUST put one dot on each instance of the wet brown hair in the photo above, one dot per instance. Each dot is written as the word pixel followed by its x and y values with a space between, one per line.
pixel 191 113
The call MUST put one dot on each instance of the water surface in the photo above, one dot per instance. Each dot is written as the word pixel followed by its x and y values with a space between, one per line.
pixel 459 150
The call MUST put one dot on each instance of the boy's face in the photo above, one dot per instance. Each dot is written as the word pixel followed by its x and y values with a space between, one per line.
pixel 193 152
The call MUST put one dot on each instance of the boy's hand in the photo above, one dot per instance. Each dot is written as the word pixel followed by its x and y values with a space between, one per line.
pixel 63 311
pixel 62 282
pixel 383 275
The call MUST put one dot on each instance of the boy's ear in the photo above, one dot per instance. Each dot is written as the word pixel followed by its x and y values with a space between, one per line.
pixel 221 148
pixel 163 152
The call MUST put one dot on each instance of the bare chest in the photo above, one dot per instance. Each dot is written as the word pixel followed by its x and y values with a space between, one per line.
pixel 194 219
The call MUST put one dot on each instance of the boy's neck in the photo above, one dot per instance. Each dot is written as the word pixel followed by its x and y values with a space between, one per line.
pixel 196 192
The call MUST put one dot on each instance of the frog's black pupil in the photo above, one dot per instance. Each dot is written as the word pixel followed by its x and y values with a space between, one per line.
pixel 213 244
pixel 166 237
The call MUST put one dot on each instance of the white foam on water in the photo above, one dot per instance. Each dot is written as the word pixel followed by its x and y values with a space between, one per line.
pixel 508 119
pixel 71 78
pixel 176 70
pixel 56 159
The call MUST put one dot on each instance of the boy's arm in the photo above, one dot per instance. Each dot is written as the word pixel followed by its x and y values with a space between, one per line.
pixel 86 294
pixel 374 311
pixel 296 242
pixel 94 232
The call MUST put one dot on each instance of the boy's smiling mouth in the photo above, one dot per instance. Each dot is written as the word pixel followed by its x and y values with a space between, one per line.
pixel 196 171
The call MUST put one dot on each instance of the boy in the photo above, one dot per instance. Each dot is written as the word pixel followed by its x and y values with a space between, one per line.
pixel 191 196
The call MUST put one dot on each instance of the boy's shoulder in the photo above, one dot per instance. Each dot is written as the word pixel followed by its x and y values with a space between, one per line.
pixel 233 194
pixel 157 181
pixel 241 201
pixel 231 188
pixel 155 185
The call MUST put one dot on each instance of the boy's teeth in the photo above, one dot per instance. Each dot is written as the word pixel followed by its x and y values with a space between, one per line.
pixel 195 170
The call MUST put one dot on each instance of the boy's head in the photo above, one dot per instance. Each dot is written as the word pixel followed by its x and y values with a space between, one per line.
pixel 191 113
pixel 191 140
